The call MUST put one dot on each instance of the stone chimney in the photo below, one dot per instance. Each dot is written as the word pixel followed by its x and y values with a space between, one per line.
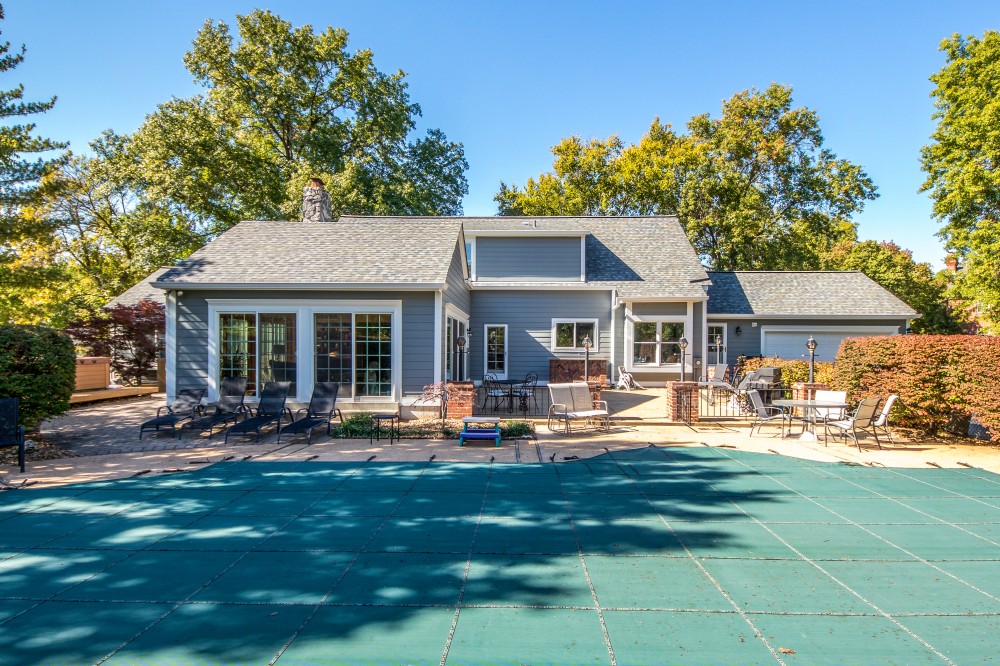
pixel 316 202
pixel 951 263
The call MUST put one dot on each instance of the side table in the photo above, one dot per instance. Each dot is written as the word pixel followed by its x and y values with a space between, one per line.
pixel 384 424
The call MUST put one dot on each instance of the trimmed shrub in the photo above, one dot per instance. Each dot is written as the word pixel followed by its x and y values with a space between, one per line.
pixel 791 370
pixel 940 379
pixel 37 365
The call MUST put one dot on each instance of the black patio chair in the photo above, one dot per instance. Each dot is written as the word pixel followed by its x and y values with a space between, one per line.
pixel 322 408
pixel 228 409
pixel 11 434
pixel 270 409
pixel 492 390
pixel 527 390
pixel 185 406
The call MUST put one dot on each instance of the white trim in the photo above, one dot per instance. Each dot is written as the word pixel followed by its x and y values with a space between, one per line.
pixel 704 338
pixel 438 341
pixel 665 299
pixel 725 340
pixel 472 263
pixel 583 258
pixel 574 320
pixel 536 286
pixel 464 258
pixel 170 345
pixel 303 286
pixel 611 354
pixel 848 317
pixel 630 320
pixel 506 348
pixel 525 230
pixel 305 336
pixel 455 312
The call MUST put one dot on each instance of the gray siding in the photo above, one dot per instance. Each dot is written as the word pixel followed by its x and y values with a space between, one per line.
pixel 527 259
pixel 417 333
pixel 457 292
pixel 529 315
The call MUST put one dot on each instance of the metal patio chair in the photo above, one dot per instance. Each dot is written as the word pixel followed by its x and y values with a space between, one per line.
pixel 764 413
pixel 322 409
pixel 862 419
pixel 573 402
pixel 270 409
pixel 228 409
pixel 185 406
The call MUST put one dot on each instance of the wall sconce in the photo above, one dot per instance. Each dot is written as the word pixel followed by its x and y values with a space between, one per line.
pixel 738 331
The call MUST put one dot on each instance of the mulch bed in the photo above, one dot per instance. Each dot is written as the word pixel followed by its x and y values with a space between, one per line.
pixel 36 449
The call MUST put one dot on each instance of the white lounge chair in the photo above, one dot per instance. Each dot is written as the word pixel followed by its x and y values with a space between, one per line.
pixel 573 402
pixel 882 420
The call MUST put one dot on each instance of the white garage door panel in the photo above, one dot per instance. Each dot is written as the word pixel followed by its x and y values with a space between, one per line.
pixel 792 344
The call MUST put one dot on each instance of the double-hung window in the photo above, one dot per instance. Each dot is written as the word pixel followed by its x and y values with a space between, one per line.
pixel 657 342
pixel 569 334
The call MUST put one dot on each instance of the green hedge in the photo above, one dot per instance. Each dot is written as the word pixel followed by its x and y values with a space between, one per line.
pixel 37 365
pixel 940 379
pixel 791 371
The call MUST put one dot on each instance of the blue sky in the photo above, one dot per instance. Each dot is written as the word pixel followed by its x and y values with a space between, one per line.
pixel 510 79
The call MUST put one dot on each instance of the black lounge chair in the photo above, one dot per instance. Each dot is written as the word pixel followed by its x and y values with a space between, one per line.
pixel 11 434
pixel 228 410
pixel 270 409
pixel 322 408
pixel 185 406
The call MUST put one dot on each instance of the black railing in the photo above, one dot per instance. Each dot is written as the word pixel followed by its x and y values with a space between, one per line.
pixel 513 406
pixel 724 403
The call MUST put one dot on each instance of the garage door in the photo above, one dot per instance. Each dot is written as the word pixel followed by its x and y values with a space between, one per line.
pixel 791 344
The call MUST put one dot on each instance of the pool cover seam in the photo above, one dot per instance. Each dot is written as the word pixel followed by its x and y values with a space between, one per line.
pixel 245 553
pixel 757 632
pixel 847 587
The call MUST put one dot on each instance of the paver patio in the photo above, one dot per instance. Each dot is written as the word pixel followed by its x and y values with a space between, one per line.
pixel 649 555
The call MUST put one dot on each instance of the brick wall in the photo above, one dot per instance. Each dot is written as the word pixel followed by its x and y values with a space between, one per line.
pixel 461 398
pixel 562 370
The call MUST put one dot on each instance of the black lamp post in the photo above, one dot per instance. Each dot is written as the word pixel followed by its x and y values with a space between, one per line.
pixel 684 345
pixel 811 346
pixel 587 344
pixel 460 364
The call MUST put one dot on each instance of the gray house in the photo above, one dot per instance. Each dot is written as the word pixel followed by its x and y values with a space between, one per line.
pixel 381 304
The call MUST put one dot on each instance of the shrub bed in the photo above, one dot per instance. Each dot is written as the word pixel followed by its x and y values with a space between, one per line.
pixel 791 370
pixel 358 425
pixel 940 379
pixel 37 365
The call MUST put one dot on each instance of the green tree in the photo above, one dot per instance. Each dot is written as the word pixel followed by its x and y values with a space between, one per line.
pixel 893 267
pixel 283 104
pixel 754 188
pixel 25 160
pixel 962 163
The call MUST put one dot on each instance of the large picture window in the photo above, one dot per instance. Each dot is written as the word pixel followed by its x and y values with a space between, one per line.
pixel 657 342
pixel 568 334
pixel 334 357
pixel 258 346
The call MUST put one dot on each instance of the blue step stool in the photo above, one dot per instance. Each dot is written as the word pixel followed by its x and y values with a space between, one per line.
pixel 486 428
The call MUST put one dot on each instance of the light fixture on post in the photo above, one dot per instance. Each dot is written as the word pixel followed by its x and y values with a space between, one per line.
pixel 811 346
pixel 587 344
pixel 683 345
pixel 718 349
pixel 459 374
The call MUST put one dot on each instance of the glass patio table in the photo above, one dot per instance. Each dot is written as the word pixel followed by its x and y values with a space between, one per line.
pixel 807 407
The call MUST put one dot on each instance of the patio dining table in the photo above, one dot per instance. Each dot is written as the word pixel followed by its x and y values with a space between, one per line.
pixel 510 385
pixel 807 406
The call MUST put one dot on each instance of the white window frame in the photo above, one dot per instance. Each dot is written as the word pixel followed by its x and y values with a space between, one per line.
pixel 506 349
pixel 574 321
pixel 453 313
pixel 630 321
pixel 709 356
pixel 305 338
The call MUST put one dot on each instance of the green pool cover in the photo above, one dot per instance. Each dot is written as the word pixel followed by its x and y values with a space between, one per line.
pixel 650 556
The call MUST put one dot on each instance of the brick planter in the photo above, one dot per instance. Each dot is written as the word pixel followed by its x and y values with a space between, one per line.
pixel 461 398
pixel 564 370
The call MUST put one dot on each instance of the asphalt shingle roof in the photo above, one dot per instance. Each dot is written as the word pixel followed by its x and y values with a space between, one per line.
pixel 641 257
pixel 351 250
pixel 802 293
pixel 141 291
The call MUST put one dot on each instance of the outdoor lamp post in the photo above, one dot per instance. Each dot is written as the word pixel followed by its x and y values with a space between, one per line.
pixel 811 346
pixel 684 345
pixel 460 365
pixel 587 344
pixel 718 349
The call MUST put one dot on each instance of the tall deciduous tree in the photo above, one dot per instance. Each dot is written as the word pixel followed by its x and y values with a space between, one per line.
pixel 281 105
pixel 25 158
pixel 893 268
pixel 962 163
pixel 754 188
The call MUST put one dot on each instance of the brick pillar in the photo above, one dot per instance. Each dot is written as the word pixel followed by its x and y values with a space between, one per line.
pixel 461 398
pixel 595 388
pixel 682 402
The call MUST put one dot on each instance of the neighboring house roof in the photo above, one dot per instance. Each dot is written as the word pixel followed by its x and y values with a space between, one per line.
pixel 358 251
pixel 141 291
pixel 802 294
pixel 641 257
